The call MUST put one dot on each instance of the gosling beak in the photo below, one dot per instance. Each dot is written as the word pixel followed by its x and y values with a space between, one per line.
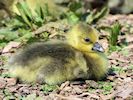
pixel 97 47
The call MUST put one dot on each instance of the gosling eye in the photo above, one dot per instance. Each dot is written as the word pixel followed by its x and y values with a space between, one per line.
pixel 87 40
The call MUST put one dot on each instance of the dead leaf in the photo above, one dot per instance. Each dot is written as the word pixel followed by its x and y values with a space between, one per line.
pixel 113 62
pixel 77 90
pixel 71 97
pixel 124 90
pixel 111 78
pixel 129 47
pixel 2 83
pixel 128 79
pixel 113 55
pixel 67 89
pixel 106 97
pixel 1 95
pixel 12 88
pixel 104 43
pixel 121 39
pixel 129 39
pixel 122 59
pixel 90 95
pixel 92 84
pixel 63 85
pixel 10 45
pixel 1 63
pixel 11 81
pixel 24 90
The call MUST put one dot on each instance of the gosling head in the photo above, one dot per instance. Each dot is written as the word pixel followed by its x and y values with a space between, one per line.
pixel 84 38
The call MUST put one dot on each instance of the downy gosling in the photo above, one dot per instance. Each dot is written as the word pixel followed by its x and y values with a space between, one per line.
pixel 54 62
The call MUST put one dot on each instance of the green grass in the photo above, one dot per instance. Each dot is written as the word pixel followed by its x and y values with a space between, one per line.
pixel 114 33
pixel 105 87
pixel 48 88
pixel 117 69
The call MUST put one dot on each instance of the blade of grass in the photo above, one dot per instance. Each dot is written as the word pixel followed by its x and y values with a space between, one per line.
pixel 115 31
pixel 25 13
pixel 93 17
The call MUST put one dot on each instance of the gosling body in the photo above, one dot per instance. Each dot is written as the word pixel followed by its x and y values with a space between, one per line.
pixel 54 62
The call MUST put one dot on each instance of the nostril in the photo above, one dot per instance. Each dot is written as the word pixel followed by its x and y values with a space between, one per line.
pixel 97 47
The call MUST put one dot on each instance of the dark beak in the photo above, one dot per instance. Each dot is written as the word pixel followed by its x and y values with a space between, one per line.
pixel 97 47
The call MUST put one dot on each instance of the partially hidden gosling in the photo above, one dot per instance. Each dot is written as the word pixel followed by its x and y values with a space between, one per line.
pixel 54 62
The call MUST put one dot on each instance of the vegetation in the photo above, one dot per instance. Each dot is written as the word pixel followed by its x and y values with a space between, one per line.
pixel 52 20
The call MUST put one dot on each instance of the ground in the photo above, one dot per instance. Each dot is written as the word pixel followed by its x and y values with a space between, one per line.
pixel 118 84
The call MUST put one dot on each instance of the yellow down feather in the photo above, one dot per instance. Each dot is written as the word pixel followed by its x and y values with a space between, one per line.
pixel 54 62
